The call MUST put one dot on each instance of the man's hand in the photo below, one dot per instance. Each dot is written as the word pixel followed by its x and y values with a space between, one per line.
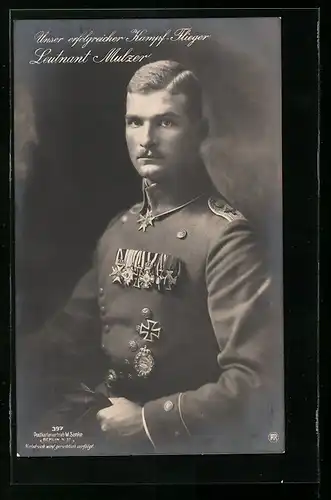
pixel 123 419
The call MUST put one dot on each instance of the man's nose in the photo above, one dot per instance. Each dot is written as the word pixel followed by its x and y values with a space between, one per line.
pixel 147 138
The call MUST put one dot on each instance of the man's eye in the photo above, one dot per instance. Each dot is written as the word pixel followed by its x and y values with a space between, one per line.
pixel 133 122
pixel 166 123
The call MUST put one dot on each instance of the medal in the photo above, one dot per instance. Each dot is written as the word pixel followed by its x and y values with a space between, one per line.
pixel 170 279
pixel 150 330
pixel 116 273
pixel 144 362
pixel 146 279
pixel 128 275
pixel 145 270
pixel 145 221
pixel 117 269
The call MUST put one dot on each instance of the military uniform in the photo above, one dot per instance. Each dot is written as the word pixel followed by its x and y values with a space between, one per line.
pixel 175 315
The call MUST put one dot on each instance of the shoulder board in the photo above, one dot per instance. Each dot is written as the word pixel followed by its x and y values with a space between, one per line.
pixel 222 209
pixel 136 208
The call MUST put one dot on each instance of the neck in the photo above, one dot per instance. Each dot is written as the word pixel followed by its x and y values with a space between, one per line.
pixel 164 196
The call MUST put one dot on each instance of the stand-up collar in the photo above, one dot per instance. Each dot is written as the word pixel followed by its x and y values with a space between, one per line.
pixel 160 198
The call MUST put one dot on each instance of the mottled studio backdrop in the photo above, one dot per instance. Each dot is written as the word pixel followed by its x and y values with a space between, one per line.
pixel 71 168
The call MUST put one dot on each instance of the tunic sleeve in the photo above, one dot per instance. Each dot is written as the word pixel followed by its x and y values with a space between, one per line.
pixel 238 286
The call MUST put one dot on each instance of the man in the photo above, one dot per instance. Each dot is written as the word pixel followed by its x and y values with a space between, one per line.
pixel 172 323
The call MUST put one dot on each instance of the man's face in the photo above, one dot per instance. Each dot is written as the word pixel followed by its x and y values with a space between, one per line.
pixel 162 138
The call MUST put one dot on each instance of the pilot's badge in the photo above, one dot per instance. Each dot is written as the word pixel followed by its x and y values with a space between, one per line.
pixel 144 362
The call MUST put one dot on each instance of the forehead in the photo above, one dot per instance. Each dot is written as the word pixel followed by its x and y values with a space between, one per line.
pixel 155 103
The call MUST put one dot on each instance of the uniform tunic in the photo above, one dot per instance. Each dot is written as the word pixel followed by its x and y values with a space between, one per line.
pixel 176 318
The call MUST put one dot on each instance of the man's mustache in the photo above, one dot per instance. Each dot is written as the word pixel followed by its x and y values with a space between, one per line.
pixel 149 154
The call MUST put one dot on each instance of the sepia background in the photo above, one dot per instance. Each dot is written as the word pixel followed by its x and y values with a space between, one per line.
pixel 71 168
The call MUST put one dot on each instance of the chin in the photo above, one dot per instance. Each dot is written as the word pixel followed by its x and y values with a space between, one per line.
pixel 150 171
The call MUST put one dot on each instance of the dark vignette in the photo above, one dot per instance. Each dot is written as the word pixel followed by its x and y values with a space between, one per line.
pixel 299 136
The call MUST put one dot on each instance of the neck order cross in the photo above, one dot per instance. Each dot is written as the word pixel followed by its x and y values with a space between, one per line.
pixel 148 218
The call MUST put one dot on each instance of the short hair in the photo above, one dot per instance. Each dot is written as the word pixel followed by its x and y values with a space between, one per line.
pixel 171 76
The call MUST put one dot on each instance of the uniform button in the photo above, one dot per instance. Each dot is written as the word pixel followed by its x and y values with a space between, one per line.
pixel 168 406
pixel 124 218
pixel 106 328
pixel 182 234
pixel 103 310
pixel 146 312
pixel 133 345
pixel 101 292
pixel 177 433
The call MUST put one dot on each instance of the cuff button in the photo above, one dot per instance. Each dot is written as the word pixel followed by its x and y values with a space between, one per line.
pixel 168 406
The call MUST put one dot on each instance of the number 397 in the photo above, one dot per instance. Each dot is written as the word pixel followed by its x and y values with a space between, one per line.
pixel 56 428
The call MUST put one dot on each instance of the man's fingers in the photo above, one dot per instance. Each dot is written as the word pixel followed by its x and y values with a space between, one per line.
pixel 114 400
pixel 106 413
pixel 101 414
